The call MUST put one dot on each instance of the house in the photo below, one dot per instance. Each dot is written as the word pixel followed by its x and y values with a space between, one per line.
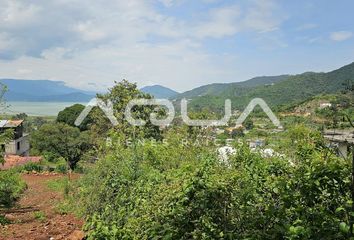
pixel 325 105
pixel 342 139
pixel 19 144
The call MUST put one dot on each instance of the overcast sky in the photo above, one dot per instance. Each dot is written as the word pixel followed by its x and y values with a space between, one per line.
pixel 180 44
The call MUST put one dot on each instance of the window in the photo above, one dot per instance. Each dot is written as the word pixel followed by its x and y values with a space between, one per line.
pixel 18 146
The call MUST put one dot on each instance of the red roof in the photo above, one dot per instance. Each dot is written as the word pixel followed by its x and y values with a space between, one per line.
pixel 15 160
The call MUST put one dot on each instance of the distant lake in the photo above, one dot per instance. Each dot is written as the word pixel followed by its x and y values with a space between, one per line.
pixel 36 108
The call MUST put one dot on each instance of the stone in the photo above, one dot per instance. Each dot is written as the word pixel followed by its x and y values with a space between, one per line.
pixel 77 235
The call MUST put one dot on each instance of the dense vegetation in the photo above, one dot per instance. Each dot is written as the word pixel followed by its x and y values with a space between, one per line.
pixel 183 191
pixel 11 187
pixel 57 140
pixel 170 183
pixel 276 91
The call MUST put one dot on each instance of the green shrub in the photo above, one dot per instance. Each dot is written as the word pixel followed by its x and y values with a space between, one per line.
pixel 11 186
pixel 182 191
pixel 3 220
pixel 61 166
pixel 39 215
pixel 31 166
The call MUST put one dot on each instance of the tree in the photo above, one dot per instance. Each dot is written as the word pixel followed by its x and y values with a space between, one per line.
pixel 70 114
pixel 61 139
pixel 7 135
pixel 20 116
pixel 248 124
pixel 120 95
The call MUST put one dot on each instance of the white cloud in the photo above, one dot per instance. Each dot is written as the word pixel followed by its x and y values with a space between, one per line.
pixel 89 32
pixel 104 41
pixel 15 13
pixel 340 36
pixel 223 22
pixel 167 3
pixel 178 63
pixel 260 17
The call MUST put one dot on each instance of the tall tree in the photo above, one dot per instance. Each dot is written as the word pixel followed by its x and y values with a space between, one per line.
pixel 62 140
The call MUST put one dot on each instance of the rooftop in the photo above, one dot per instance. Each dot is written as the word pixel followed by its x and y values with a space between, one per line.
pixel 10 123
pixel 339 135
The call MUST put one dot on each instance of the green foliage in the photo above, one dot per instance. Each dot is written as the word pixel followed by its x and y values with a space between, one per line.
pixel 182 191
pixel 5 137
pixel 277 91
pixel 120 95
pixel 4 220
pixel 40 216
pixel 31 166
pixel 61 140
pixel 59 185
pixel 11 186
pixel 61 166
pixel 70 114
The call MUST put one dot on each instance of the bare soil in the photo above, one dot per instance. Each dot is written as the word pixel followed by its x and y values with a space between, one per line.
pixel 38 199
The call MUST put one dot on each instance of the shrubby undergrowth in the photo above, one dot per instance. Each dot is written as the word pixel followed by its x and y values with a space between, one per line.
pixel 11 186
pixel 182 191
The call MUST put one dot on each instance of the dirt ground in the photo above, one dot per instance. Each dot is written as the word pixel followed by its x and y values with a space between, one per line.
pixel 38 198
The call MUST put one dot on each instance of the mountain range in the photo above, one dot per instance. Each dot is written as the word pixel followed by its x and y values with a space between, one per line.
pixel 275 90
pixel 159 91
pixel 43 91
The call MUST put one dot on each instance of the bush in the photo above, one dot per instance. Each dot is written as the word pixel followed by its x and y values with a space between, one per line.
pixel 182 191
pixel 11 186
pixel 31 166
pixel 61 166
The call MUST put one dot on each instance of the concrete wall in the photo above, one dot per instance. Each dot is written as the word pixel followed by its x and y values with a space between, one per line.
pixel 18 147
pixel 343 150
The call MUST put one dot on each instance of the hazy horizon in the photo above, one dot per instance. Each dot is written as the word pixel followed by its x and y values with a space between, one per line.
pixel 174 43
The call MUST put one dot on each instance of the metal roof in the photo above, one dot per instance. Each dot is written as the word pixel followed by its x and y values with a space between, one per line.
pixel 3 123
pixel 339 135
pixel 10 123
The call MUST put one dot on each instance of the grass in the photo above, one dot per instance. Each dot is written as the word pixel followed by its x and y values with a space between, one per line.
pixel 59 185
pixel 39 215
pixel 62 185
pixel 3 220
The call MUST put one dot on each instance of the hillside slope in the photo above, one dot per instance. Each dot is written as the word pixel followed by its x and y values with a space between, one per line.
pixel 43 91
pixel 159 91
pixel 284 91
pixel 217 89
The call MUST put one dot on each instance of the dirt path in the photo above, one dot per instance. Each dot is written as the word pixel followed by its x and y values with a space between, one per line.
pixel 35 216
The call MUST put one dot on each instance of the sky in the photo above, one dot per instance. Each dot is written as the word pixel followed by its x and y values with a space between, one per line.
pixel 181 44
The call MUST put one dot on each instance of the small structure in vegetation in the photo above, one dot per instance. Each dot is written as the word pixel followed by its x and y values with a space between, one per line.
pixel 342 138
pixel 19 144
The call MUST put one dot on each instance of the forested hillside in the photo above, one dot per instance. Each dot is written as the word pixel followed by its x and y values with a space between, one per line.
pixel 276 91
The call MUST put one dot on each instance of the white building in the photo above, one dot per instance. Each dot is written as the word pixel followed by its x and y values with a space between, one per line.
pixel 19 145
